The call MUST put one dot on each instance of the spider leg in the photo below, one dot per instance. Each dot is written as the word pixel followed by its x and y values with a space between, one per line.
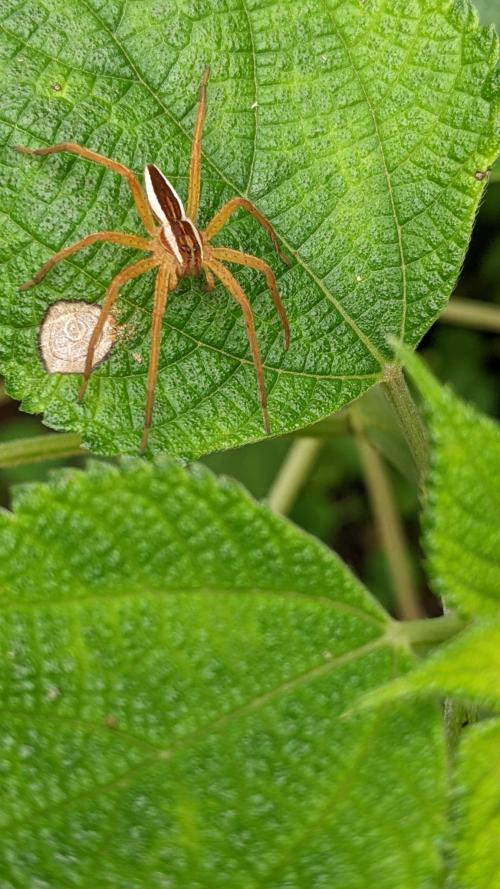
pixel 210 285
pixel 253 262
pixel 114 237
pixel 133 183
pixel 222 216
pixel 195 162
pixel 165 282
pixel 132 271
pixel 234 289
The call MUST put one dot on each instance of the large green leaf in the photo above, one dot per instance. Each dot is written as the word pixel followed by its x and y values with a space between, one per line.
pixel 176 665
pixel 358 128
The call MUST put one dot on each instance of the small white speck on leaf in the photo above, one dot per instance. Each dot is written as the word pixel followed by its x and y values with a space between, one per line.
pixel 137 357
pixel 65 333
pixel 358 278
pixel 254 105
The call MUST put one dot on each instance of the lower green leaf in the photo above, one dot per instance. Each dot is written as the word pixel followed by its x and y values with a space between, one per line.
pixel 174 698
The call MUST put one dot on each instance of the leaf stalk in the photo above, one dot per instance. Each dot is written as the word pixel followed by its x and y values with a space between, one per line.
pixel 408 415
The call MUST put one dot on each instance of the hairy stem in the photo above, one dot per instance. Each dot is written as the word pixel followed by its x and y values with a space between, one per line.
pixel 408 416
pixel 389 527
pixel 293 473
pixel 40 448
pixel 472 313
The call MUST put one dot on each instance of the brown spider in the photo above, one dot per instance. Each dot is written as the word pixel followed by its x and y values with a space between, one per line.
pixel 178 249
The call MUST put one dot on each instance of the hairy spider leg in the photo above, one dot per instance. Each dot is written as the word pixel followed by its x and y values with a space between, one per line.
pixel 113 237
pixel 227 210
pixel 234 289
pixel 195 162
pixel 210 280
pixel 133 183
pixel 166 281
pixel 253 262
pixel 132 271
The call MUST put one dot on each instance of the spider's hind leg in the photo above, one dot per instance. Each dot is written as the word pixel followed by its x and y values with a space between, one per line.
pixel 89 155
pixel 165 282
pixel 127 274
pixel 226 254
pixel 210 280
pixel 234 289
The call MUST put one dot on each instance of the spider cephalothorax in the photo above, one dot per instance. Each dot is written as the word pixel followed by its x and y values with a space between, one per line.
pixel 177 249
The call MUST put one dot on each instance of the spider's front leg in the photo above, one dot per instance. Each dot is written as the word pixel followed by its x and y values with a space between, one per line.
pixel 132 181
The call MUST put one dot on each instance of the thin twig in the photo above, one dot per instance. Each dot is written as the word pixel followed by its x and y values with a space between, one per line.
pixel 388 525
pixel 293 473
pixel 472 313
pixel 40 448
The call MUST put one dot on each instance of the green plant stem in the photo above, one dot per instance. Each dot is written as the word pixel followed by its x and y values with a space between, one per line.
pixel 431 630
pixel 408 416
pixel 389 527
pixel 472 313
pixel 40 448
pixel 293 473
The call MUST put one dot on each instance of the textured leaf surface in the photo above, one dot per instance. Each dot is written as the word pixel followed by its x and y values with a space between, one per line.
pixel 173 699
pixel 468 667
pixel 477 801
pixel 462 531
pixel 358 128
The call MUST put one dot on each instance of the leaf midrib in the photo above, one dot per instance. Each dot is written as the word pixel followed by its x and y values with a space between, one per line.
pixel 107 597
